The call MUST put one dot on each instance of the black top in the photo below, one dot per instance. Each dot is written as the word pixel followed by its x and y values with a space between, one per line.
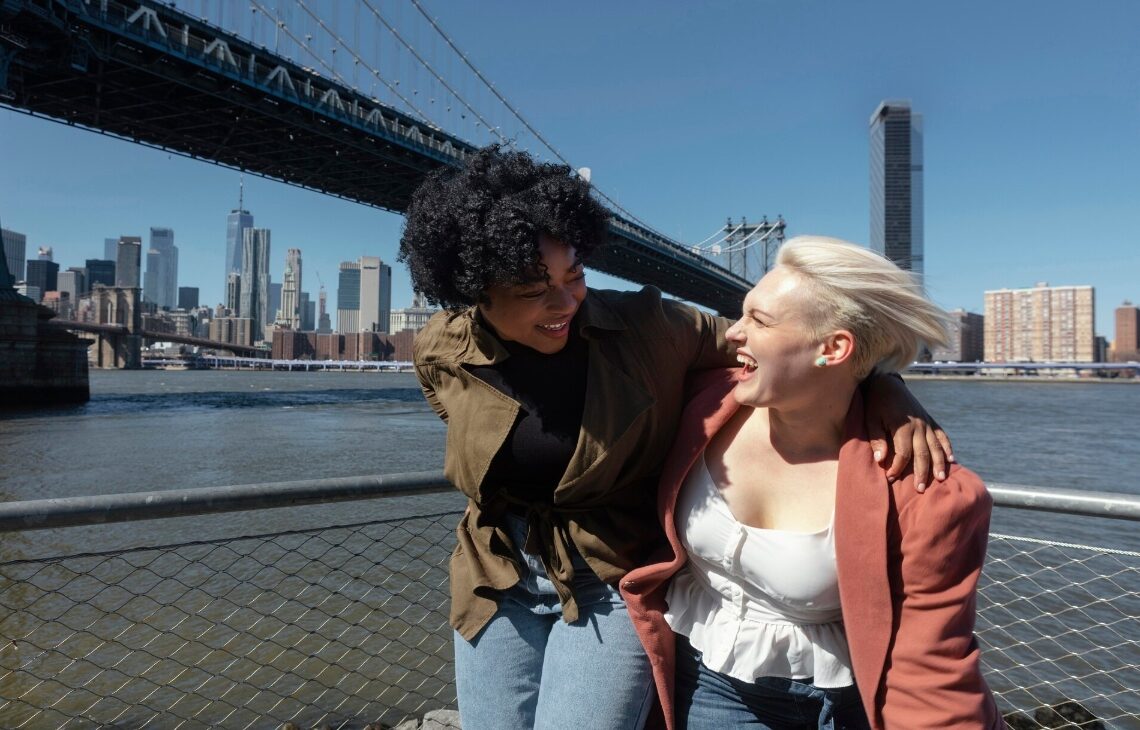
pixel 552 392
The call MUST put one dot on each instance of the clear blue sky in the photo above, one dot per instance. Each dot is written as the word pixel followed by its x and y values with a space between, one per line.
pixel 691 112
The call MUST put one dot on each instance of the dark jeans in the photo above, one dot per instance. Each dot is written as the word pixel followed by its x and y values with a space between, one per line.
pixel 708 700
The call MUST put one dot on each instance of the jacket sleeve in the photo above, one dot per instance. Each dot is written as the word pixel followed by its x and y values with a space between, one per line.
pixel 426 374
pixel 427 385
pixel 698 336
pixel 933 677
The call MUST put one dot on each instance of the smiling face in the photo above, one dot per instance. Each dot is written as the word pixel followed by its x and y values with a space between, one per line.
pixel 538 314
pixel 773 343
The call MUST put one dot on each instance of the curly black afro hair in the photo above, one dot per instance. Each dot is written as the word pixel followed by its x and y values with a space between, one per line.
pixel 478 226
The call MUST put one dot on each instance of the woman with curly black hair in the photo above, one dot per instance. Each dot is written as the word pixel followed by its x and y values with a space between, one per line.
pixel 560 403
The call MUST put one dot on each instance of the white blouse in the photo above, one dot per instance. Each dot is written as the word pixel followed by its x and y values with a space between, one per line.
pixel 756 602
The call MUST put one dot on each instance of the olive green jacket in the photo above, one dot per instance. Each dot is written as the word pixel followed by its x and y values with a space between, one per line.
pixel 640 348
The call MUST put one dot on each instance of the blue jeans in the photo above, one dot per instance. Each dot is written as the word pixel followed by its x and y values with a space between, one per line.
pixel 527 668
pixel 708 700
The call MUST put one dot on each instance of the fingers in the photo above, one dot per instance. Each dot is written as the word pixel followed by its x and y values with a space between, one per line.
pixel 877 437
pixel 938 458
pixel 904 444
pixel 922 458
pixel 944 440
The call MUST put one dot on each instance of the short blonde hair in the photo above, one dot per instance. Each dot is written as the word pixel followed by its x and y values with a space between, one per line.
pixel 853 288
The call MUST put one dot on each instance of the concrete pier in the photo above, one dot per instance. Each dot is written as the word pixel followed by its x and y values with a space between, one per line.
pixel 39 365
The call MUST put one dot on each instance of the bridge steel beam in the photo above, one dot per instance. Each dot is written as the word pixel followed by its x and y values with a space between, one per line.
pixel 149 73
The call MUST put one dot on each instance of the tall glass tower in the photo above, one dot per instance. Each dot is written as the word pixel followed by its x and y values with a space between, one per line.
pixel 896 185
pixel 255 280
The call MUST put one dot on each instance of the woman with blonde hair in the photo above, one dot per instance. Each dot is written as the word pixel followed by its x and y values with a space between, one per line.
pixel 800 589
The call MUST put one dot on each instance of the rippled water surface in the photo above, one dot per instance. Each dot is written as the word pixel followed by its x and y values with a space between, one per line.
pixel 149 430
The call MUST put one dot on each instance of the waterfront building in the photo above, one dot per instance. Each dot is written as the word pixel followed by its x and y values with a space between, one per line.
pixel 233 330
pixel 1126 344
pixel 375 294
pixel 42 274
pixel 413 318
pixel 965 338
pixel 160 285
pixel 183 322
pixel 289 314
pixel 59 302
pixel 188 297
pixel 128 260
pixel 255 279
pixel 896 185
pixel 100 271
pixel 15 255
pixel 1040 324
pixel 348 297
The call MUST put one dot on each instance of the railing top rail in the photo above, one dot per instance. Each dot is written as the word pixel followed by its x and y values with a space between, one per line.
pixel 100 509
pixel 93 510
pixel 1066 501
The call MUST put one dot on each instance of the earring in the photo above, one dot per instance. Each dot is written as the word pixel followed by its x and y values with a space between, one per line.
pixel 820 361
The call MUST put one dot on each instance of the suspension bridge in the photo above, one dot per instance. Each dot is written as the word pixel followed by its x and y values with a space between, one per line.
pixel 293 90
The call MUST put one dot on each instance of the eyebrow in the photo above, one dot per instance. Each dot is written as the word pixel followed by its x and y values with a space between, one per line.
pixel 753 311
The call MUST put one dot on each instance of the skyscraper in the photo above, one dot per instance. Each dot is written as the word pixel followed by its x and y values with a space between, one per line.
pixel 290 314
pixel 233 294
pixel 15 253
pixel 100 271
pixel 43 274
pixel 348 298
pixel 237 222
pixel 375 294
pixel 255 279
pixel 188 297
pixel 127 262
pixel 160 285
pixel 896 185
pixel 274 300
pixel 73 282
pixel 110 249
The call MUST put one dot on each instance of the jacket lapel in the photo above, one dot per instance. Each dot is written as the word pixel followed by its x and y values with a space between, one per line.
pixel 862 505
pixel 704 415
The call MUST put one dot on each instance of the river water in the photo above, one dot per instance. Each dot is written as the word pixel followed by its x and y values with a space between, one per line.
pixel 150 430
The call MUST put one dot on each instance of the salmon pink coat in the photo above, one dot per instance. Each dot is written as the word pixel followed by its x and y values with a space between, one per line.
pixel 908 567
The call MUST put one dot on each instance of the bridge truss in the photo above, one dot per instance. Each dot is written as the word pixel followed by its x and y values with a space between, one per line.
pixel 152 74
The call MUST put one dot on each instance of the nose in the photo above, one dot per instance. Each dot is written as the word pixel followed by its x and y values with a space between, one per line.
pixel 734 333
pixel 561 299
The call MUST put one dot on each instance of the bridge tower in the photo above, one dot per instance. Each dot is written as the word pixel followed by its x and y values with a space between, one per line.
pixel 750 248
pixel 118 305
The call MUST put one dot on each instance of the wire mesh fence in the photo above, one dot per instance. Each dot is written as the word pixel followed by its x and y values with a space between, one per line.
pixel 345 626
pixel 338 627
pixel 1059 626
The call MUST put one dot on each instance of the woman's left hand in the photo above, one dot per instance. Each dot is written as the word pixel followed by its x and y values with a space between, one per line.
pixel 914 434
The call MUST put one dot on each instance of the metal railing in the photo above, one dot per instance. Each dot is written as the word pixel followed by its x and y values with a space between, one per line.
pixel 345 625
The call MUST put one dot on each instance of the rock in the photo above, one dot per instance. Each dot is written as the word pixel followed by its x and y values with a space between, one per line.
pixel 412 724
pixel 1067 714
pixel 441 720
pixel 1021 721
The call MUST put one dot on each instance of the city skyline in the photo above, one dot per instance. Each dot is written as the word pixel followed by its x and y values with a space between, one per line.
pixel 1015 184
